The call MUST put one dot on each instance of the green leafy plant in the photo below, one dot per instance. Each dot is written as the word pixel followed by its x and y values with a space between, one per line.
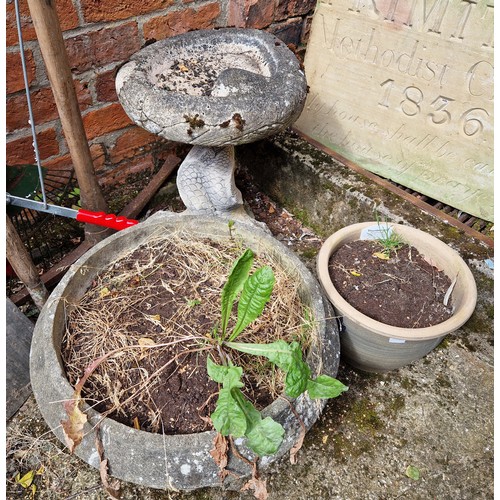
pixel 234 414
pixel 388 239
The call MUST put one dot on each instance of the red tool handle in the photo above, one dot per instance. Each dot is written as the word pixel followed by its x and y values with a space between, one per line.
pixel 102 219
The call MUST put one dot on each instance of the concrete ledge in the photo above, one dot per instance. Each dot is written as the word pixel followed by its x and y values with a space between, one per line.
pixel 326 195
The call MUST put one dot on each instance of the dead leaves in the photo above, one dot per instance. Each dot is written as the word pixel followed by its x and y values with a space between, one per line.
pixel 298 444
pixel 145 343
pixel 381 255
pixel 73 426
pixel 111 487
pixel 219 454
pixel 259 486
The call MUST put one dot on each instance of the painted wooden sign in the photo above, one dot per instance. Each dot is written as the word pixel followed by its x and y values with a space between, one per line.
pixel 405 89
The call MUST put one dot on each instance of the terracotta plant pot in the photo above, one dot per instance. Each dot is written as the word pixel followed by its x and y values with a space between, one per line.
pixel 373 346
pixel 179 462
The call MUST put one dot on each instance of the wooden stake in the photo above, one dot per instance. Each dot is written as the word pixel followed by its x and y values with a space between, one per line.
pixel 20 260
pixel 49 34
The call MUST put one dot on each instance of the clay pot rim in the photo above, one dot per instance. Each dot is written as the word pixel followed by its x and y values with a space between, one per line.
pixel 421 241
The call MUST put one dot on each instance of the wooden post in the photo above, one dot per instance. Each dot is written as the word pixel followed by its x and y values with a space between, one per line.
pixel 49 34
pixel 20 260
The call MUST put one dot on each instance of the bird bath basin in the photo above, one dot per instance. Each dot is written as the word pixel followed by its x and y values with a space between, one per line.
pixel 213 89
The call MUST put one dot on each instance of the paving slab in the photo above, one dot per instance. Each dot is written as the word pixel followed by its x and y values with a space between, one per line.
pixel 17 342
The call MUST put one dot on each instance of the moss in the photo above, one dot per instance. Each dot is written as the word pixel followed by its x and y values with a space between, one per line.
pixel 407 384
pixel 309 253
pixel 443 381
pixel 363 414
pixel 444 344
pixel 395 405
pixel 304 217
pixel 490 311
pixel 343 448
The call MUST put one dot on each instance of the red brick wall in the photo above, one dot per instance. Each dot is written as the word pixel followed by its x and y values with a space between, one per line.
pixel 100 36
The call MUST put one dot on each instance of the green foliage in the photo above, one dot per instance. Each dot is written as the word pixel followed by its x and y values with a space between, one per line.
pixel 230 226
pixel 389 240
pixel 234 414
pixel 413 472
pixel 255 291
pixel 288 357
pixel 233 287
pixel 324 386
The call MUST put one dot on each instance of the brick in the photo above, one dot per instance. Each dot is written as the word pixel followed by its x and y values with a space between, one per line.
pixel 105 86
pixel 115 10
pixel 251 13
pixel 68 19
pixel 131 143
pixel 293 8
pixel 120 173
pixel 64 162
pixel 260 14
pixel 105 120
pixel 14 71
pixel 20 151
pixel 289 31
pixel 43 106
pixel 176 23
pixel 83 94
pixel 98 48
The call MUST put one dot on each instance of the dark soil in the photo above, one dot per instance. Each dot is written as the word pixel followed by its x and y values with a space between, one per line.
pixel 404 291
pixel 142 306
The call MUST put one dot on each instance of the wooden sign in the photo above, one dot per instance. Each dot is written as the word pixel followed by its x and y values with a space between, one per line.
pixel 404 88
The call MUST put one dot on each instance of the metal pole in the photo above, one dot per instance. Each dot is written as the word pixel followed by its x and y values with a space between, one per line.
pixel 49 34
pixel 28 99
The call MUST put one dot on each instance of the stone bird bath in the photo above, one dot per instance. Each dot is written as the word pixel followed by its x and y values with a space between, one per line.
pixel 213 89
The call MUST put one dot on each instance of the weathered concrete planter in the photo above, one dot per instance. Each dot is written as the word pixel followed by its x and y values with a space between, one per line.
pixel 373 346
pixel 178 462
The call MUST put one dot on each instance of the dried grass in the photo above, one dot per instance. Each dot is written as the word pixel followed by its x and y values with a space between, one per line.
pixel 151 296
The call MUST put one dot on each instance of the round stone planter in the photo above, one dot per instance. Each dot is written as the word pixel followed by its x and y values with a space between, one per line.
pixel 180 462
pixel 373 346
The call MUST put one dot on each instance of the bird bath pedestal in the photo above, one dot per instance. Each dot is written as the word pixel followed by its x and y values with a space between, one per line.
pixel 213 89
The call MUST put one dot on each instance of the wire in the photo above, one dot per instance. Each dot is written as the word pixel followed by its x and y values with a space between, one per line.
pixel 28 98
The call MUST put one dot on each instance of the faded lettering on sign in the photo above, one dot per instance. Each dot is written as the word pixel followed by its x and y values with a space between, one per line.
pixel 405 89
